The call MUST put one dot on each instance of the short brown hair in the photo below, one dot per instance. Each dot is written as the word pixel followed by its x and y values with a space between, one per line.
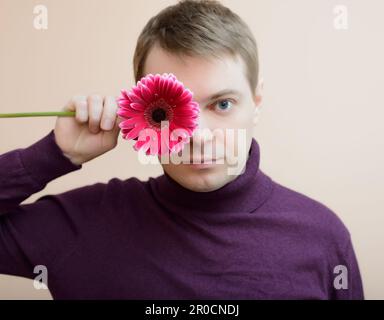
pixel 198 28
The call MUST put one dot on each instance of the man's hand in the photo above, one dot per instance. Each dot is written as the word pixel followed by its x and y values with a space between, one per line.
pixel 93 131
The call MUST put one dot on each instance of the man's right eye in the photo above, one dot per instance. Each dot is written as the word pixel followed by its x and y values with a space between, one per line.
pixel 223 106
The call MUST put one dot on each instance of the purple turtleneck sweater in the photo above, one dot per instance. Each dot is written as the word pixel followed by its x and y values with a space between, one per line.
pixel 154 239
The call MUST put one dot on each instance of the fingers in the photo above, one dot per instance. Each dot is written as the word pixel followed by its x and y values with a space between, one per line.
pixel 79 104
pixel 108 117
pixel 99 112
pixel 81 108
pixel 95 110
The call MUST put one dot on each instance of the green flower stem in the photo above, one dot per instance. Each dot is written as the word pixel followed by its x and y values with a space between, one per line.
pixel 39 114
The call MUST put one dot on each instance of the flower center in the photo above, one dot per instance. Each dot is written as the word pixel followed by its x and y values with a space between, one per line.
pixel 158 111
pixel 159 115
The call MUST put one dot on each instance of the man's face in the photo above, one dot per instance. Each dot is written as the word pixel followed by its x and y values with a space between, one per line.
pixel 222 120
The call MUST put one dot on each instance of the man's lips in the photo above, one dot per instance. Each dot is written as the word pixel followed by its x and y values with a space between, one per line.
pixel 204 160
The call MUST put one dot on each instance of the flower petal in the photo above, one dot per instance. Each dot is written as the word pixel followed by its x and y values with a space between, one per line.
pixel 144 145
pixel 177 91
pixel 127 113
pixel 138 106
pixel 184 98
pixel 160 86
pixel 165 90
pixel 185 112
pixel 124 94
pixel 150 84
pixel 135 131
pixel 136 91
pixel 136 98
pixel 123 102
pixel 146 93
pixel 157 80
pixel 129 123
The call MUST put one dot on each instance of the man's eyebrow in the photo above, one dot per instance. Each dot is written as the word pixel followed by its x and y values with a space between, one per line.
pixel 223 93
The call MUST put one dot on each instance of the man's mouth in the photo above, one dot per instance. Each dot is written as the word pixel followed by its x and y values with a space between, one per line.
pixel 203 160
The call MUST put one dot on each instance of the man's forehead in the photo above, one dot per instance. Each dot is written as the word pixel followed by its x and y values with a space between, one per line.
pixel 203 76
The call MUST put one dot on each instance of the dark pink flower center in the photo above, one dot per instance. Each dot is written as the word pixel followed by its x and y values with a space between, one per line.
pixel 159 115
pixel 158 111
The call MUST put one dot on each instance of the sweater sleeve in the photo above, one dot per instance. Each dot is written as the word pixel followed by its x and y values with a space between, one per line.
pixel 43 232
pixel 24 172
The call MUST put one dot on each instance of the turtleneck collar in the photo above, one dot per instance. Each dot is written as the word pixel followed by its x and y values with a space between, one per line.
pixel 245 193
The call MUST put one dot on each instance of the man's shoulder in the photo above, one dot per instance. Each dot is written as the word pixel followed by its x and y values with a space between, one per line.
pixel 114 187
pixel 311 214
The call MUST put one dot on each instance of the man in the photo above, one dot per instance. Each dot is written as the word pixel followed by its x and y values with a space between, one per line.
pixel 195 232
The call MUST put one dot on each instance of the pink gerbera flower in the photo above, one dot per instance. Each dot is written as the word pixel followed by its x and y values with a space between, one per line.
pixel 154 99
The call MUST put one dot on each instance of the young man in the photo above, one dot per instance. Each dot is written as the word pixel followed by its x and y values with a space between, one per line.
pixel 195 232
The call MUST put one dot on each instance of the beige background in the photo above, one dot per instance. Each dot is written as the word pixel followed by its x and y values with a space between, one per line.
pixel 321 127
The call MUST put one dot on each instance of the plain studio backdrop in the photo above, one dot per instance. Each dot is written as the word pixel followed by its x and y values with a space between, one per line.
pixel 321 124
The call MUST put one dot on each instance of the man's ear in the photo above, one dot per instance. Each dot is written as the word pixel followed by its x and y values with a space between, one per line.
pixel 258 98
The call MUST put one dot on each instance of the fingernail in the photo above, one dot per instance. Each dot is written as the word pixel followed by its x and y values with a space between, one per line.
pixel 82 115
pixel 107 124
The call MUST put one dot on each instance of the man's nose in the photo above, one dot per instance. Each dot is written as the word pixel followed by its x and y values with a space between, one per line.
pixel 203 133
